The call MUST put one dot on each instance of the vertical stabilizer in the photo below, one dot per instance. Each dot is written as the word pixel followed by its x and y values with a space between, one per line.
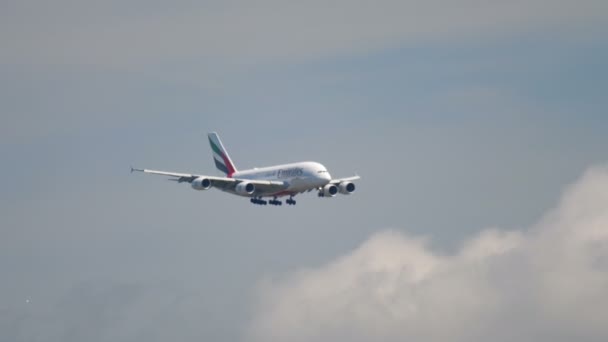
pixel 220 155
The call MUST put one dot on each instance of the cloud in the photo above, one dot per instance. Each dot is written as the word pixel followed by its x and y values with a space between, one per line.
pixel 136 33
pixel 547 283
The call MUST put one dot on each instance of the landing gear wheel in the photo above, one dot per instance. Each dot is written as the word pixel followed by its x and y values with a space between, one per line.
pixel 259 201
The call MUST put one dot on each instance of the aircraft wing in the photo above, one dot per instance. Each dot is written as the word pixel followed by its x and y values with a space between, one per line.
pixel 179 177
pixel 347 179
pixel 219 182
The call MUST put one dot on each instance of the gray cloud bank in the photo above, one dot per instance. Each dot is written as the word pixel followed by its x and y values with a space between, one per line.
pixel 132 33
pixel 547 283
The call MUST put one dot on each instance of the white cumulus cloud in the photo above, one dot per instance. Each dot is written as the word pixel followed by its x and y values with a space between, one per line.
pixel 547 283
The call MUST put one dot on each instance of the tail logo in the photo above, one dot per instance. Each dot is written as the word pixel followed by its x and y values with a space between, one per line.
pixel 220 157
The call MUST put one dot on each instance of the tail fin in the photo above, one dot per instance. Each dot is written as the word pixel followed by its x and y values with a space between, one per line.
pixel 220 156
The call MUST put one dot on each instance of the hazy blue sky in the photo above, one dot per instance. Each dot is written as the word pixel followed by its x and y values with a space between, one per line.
pixel 460 117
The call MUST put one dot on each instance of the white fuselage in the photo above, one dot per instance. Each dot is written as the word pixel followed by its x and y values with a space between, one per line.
pixel 298 177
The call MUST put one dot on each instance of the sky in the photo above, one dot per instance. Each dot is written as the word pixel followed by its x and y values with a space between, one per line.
pixel 478 129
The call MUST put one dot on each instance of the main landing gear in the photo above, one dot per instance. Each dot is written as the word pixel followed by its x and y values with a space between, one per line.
pixel 274 201
pixel 258 201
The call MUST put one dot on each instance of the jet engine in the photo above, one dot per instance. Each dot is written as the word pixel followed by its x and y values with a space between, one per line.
pixel 245 188
pixel 346 188
pixel 201 183
pixel 329 190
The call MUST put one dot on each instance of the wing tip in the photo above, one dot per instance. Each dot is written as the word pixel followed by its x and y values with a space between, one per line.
pixel 135 169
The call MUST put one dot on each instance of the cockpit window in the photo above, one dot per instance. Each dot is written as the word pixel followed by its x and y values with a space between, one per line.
pixel 321 171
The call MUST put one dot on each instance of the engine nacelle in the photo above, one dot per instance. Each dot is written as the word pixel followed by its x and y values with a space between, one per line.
pixel 329 190
pixel 346 188
pixel 201 183
pixel 245 188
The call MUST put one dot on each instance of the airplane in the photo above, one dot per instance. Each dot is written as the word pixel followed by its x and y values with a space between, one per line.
pixel 257 183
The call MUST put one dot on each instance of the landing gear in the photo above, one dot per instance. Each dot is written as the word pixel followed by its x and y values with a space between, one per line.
pixel 258 201
pixel 275 202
